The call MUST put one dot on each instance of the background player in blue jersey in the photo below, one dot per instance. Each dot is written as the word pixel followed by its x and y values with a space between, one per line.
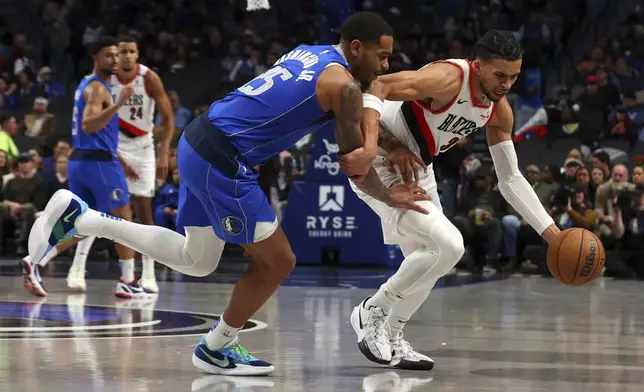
pixel 220 200
pixel 95 173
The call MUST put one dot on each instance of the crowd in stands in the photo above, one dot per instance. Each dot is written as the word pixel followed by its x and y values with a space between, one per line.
pixel 202 49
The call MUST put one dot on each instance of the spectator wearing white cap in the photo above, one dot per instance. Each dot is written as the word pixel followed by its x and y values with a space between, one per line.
pixel 39 123
pixel 47 86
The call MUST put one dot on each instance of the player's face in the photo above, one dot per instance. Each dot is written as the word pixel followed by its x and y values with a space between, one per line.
pixel 128 55
pixel 107 60
pixel 371 59
pixel 497 77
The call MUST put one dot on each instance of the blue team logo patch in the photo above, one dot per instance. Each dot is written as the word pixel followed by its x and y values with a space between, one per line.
pixel 232 225
pixel 117 194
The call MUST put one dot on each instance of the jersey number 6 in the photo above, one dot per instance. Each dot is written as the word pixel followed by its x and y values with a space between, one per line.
pixel 267 79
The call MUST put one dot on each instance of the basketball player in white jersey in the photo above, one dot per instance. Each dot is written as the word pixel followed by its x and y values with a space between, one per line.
pixel 136 150
pixel 427 112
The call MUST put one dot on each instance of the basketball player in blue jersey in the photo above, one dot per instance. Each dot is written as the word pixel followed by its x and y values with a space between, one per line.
pixel 95 173
pixel 219 198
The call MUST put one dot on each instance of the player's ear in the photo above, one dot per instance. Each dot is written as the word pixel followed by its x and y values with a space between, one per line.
pixel 476 65
pixel 356 47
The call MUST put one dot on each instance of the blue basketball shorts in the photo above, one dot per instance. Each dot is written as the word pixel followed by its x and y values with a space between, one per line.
pixel 101 184
pixel 218 190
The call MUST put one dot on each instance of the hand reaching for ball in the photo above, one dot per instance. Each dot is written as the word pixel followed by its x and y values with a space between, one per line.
pixel 575 256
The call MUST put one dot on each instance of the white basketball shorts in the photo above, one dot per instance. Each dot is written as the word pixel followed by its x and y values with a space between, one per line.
pixel 393 228
pixel 143 160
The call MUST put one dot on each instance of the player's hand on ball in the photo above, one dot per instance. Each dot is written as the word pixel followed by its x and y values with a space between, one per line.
pixel 125 94
pixel 403 196
pixel 357 163
pixel 407 162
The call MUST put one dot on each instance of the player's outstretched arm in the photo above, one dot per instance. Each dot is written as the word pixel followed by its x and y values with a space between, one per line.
pixel 95 115
pixel 513 186
pixel 434 80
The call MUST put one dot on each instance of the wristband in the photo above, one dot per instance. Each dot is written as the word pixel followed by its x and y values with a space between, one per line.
pixel 372 102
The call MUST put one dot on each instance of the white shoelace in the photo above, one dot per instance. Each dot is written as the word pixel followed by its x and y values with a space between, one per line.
pixel 379 326
pixel 405 348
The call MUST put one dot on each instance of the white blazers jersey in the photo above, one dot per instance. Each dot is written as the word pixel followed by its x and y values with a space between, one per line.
pixel 136 117
pixel 428 132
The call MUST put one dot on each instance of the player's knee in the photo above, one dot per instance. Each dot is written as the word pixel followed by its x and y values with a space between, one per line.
pixel 450 244
pixel 280 267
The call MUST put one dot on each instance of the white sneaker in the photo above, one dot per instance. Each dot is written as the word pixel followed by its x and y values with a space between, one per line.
pixel 76 280
pixel 129 290
pixel 372 329
pixel 149 284
pixel 405 357
pixel 32 280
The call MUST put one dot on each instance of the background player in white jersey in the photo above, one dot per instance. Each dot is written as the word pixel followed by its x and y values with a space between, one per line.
pixel 136 145
pixel 443 102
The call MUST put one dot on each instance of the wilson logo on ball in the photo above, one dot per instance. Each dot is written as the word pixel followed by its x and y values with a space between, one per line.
pixel 587 269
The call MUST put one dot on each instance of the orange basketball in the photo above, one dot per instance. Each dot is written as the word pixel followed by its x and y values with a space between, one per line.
pixel 577 258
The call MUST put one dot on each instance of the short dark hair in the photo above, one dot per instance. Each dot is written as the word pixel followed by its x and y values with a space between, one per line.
pixel 128 39
pixel 498 44
pixel 102 42
pixel 366 27
pixel 64 140
pixel 4 117
pixel 602 156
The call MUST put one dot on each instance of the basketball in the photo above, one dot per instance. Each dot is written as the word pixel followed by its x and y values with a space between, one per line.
pixel 578 257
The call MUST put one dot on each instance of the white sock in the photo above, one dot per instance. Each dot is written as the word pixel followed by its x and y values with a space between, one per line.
pixel 148 266
pixel 161 244
pixel 50 255
pixel 403 310
pixel 82 250
pixel 221 335
pixel 385 298
pixel 127 270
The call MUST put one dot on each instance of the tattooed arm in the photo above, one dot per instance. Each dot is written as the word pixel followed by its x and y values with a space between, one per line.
pixel 348 135
pixel 387 141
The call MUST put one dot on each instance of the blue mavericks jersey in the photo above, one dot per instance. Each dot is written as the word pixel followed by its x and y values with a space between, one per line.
pixel 105 139
pixel 272 112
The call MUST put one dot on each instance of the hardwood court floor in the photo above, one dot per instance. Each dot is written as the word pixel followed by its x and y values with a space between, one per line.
pixel 514 335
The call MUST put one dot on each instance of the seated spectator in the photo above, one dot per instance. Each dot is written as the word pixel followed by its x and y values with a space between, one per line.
pixel 39 124
pixel 593 61
pixel 13 168
pixel 7 131
pixel 62 147
pixel 567 213
pixel 623 127
pixel 545 188
pixel 24 195
pixel 625 76
pixel 570 170
pixel 36 157
pixel 601 160
pixel 182 115
pixel 627 226
pixel 583 179
pixel 638 175
pixel 47 86
pixel 26 89
pixel 4 163
pixel 597 177
pixel 8 95
pixel 167 203
pixel 575 212
pixel 478 220
pixel 607 193
pixel 58 180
